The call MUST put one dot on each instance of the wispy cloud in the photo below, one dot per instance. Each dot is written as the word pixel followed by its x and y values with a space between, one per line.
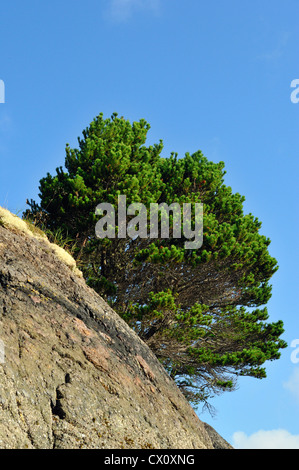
pixel 5 123
pixel 274 439
pixel 122 10
pixel 293 383
pixel 278 49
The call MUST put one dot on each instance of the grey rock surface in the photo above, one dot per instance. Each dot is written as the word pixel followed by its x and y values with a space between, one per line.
pixel 74 375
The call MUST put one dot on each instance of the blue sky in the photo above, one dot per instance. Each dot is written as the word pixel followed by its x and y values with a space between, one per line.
pixel 213 76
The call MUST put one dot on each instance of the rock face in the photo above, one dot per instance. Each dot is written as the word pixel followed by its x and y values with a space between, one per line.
pixel 72 373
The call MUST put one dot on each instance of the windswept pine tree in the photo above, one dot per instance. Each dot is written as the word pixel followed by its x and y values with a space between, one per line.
pixel 202 311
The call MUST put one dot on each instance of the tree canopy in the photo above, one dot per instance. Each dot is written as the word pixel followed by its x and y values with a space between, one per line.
pixel 201 311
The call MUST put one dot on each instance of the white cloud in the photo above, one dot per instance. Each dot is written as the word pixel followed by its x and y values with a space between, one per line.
pixel 122 10
pixel 293 383
pixel 275 439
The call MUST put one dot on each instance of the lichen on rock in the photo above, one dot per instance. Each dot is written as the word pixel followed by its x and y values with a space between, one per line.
pixel 13 222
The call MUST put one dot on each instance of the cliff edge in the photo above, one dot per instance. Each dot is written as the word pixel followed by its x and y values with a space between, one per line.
pixel 72 373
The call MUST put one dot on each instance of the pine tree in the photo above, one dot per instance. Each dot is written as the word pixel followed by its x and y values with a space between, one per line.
pixel 201 311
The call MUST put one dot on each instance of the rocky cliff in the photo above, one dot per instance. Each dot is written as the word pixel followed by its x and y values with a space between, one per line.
pixel 72 373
